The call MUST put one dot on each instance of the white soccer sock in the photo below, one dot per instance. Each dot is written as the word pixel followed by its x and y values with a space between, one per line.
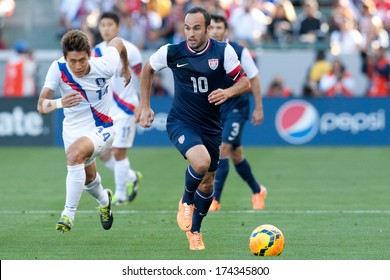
pixel 96 189
pixel 110 164
pixel 121 167
pixel 75 180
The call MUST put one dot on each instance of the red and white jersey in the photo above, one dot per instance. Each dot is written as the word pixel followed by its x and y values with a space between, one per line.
pixel 126 99
pixel 93 111
pixel 19 80
pixel 331 85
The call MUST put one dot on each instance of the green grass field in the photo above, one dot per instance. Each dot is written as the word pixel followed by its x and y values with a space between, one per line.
pixel 330 203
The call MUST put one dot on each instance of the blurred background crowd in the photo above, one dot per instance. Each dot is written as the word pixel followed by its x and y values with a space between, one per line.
pixel 332 30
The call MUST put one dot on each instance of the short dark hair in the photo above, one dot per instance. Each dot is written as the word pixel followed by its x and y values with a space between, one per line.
pixel 75 40
pixel 110 15
pixel 195 10
pixel 219 18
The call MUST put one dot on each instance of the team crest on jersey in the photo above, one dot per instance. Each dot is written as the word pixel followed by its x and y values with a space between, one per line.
pixel 181 139
pixel 213 63
pixel 100 82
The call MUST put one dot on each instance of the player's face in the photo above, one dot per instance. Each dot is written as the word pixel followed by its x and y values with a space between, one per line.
pixel 196 31
pixel 108 29
pixel 78 63
pixel 218 31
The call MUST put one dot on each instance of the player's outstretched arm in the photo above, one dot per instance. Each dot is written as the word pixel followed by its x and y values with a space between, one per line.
pixel 125 71
pixel 145 114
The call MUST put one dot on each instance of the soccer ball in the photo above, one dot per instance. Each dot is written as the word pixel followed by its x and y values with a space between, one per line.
pixel 266 240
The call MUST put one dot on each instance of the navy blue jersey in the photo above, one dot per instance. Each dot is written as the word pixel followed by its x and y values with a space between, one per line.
pixel 196 75
pixel 239 103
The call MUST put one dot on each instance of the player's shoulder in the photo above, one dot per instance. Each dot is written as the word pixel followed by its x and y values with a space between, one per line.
pixel 217 43
pixel 174 50
pixel 236 46
pixel 58 62
pixel 220 47
pixel 176 46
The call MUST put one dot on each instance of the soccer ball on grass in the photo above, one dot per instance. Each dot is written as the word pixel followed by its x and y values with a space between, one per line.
pixel 266 240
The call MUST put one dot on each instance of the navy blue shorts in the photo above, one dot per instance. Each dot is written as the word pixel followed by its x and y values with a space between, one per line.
pixel 185 137
pixel 233 127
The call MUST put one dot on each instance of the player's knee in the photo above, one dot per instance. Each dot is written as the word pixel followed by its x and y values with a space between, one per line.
pixel 236 156
pixel 75 156
pixel 201 166
pixel 119 153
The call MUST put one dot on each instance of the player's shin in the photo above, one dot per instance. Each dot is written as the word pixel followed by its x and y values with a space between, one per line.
pixel 202 203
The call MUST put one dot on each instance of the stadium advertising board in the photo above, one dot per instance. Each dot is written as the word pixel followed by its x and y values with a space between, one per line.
pixel 22 125
pixel 299 122
pixel 336 121
pixel 287 122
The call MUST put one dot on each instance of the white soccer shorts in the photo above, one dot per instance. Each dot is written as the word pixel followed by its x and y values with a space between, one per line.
pixel 102 139
pixel 124 132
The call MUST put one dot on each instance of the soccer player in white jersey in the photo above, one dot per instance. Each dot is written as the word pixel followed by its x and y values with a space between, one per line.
pixel 87 127
pixel 122 110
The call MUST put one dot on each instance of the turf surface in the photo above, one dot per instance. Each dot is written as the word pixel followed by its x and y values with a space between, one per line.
pixel 330 203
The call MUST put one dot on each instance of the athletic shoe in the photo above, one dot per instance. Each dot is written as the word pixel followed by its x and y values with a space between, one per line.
pixel 118 202
pixel 64 224
pixel 184 216
pixel 106 217
pixel 215 205
pixel 132 188
pixel 195 240
pixel 258 199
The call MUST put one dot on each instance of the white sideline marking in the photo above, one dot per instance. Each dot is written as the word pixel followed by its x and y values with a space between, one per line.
pixel 288 212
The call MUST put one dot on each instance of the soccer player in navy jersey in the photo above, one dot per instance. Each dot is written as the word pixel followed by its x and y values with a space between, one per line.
pixel 235 113
pixel 194 125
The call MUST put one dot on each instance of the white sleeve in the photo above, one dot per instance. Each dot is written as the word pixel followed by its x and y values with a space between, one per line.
pixel 248 64
pixel 231 61
pixel 158 60
pixel 53 76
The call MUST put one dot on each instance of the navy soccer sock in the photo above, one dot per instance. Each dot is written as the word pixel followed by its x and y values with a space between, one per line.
pixel 202 205
pixel 244 170
pixel 220 177
pixel 192 182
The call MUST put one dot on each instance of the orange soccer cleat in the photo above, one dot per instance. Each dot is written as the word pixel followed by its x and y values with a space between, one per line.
pixel 184 216
pixel 195 240
pixel 258 199
pixel 215 205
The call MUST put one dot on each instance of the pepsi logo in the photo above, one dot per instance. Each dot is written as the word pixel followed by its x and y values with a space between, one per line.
pixel 297 122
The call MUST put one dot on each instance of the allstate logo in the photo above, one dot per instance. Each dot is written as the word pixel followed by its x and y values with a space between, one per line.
pixel 297 122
